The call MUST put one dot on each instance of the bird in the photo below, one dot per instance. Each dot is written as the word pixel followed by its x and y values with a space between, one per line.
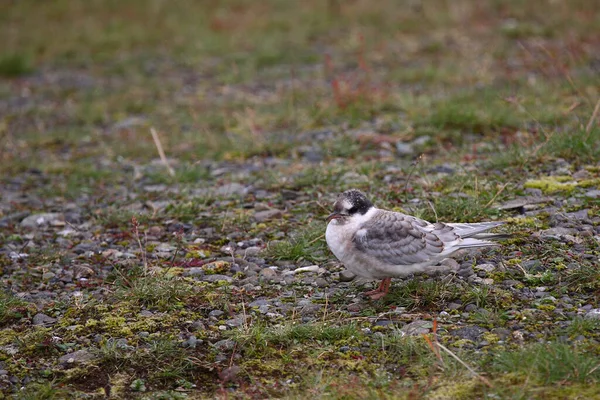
pixel 378 244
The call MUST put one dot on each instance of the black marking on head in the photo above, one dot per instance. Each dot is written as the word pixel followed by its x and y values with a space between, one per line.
pixel 356 200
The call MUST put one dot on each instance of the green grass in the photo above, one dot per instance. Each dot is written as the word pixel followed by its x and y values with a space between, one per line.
pixel 422 294
pixel 582 326
pixel 15 65
pixel 308 244
pixel 550 363
pixel 161 292
pixel 257 338
pixel 11 307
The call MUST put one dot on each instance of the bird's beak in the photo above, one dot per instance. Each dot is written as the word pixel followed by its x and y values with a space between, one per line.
pixel 334 215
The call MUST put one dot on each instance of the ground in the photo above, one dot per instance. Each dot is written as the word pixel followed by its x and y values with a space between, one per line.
pixel 191 262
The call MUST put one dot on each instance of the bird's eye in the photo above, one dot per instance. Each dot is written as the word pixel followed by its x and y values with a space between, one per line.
pixel 352 210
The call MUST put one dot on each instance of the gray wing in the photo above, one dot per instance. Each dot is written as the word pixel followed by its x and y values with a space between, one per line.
pixel 400 239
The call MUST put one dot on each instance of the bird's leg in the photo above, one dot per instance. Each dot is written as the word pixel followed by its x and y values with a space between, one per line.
pixel 381 291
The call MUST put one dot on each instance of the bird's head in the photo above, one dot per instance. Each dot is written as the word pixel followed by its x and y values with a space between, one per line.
pixel 350 203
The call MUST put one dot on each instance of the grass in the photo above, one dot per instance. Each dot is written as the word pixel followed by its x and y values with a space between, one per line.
pixel 582 326
pixel 551 363
pixel 11 308
pixel 257 338
pixel 158 291
pixel 422 294
pixel 15 65
pixel 308 244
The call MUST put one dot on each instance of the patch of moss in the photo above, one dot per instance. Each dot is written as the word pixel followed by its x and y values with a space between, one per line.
pixel 455 389
pixel 217 267
pixel 552 184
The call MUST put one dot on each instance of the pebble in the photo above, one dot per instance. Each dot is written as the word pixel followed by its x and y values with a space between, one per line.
pixel 593 194
pixel 416 328
pixel 78 357
pixel 262 216
pixel 471 333
pixel 267 273
pixel 43 319
pixel 217 278
pixel 347 276
pixel 486 267
pixel 215 313
pixel 320 282
pixel 223 345
pixel 594 313
pixel 42 219
pixel 232 189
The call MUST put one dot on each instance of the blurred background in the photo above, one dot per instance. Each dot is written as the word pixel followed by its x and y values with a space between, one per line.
pixel 233 79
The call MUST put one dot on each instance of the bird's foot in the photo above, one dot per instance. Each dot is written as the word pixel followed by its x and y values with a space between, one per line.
pixel 381 290
pixel 377 296
pixel 371 292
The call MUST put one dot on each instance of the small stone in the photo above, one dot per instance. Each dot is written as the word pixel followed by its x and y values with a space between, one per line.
pixel 77 357
pixel 404 149
pixel 471 333
pixel 229 374
pixel 593 194
pixel 416 328
pixel 557 232
pixel 470 307
pixel 232 189
pixel 579 215
pixel 215 313
pixel 194 271
pixel 267 273
pixel 289 194
pixel 502 333
pixel 593 314
pixel 451 264
pixel 262 216
pixel 48 275
pixel 42 219
pixel 486 267
pixel 165 248
pixel 223 345
pixel 258 303
pixel 454 306
pixel 217 278
pixel 347 276
pixel 192 342
pixel 235 322
pixel 320 282
pixel 43 319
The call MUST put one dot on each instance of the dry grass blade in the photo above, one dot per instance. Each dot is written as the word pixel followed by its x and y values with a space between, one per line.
pixel 464 364
pixel 161 152
pixel 590 124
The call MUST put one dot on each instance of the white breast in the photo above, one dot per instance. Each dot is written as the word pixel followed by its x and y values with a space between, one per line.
pixel 339 236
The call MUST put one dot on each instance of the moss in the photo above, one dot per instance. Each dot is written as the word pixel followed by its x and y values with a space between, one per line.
pixel 7 336
pixel 552 184
pixel 546 307
pixel 455 389
pixel 589 183
pixel 117 325
pixel 491 338
pixel 217 267
pixel 522 221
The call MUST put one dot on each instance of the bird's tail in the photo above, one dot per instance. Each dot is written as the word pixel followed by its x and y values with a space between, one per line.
pixel 478 230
